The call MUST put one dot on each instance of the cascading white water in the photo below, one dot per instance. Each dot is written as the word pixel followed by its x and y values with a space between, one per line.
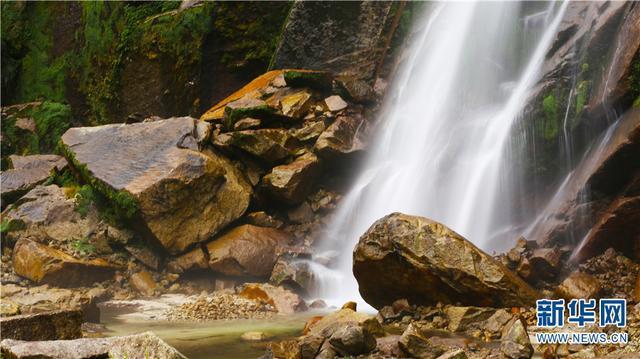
pixel 440 149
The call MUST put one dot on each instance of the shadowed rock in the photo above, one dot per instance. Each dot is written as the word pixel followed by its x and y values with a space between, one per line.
pixel 411 257
pixel 60 324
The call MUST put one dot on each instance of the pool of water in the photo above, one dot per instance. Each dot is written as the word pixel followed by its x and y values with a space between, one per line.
pixel 213 339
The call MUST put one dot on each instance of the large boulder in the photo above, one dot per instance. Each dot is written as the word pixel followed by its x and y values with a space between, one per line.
pixel 293 182
pixel 155 170
pixel 27 172
pixel 411 257
pixel 60 324
pixel 247 250
pixel 136 346
pixel 43 264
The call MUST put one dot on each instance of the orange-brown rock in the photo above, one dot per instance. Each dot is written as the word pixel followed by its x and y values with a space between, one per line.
pixel 579 285
pixel 293 182
pixel 247 250
pixel 144 283
pixel 283 300
pixel 43 264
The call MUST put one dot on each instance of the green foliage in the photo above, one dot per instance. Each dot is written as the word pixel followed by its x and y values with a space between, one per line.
pixel 7 226
pixel 52 119
pixel 41 75
pixel 84 198
pixel 582 96
pixel 634 79
pixel 551 121
pixel 83 246
pixel 251 31
pixel 116 205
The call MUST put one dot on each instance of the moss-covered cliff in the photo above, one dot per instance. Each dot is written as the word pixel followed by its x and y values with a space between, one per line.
pixel 110 60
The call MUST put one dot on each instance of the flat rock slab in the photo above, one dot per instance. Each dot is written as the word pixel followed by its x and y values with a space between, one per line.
pixel 138 346
pixel 412 257
pixel 27 172
pixel 156 170
pixel 60 324
pixel 46 265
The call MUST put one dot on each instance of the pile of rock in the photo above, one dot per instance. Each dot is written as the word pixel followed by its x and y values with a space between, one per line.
pixel 221 306
pixel 141 206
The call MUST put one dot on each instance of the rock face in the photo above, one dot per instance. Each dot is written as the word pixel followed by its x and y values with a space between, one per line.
pixel 27 172
pixel 157 170
pixel 43 298
pixel 61 324
pixel 415 258
pixel 602 194
pixel 43 264
pixel 343 137
pixel 247 250
pixel 341 37
pixel 45 214
pixel 293 182
pixel 137 346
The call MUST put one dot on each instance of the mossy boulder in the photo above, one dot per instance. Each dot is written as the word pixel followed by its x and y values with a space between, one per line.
pixel 156 172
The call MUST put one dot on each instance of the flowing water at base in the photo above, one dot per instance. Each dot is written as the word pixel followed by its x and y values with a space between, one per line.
pixel 213 339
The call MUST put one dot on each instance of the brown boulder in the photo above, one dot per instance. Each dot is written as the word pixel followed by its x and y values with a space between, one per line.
pixel 515 342
pixel 545 263
pixel 270 145
pixel 43 264
pixel 343 137
pixel 155 171
pixel 27 172
pixel 579 285
pixel 247 250
pixel 144 283
pixel 425 262
pixel 416 343
pixel 60 324
pixel 293 182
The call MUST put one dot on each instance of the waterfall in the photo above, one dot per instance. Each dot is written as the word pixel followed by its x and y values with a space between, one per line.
pixel 441 149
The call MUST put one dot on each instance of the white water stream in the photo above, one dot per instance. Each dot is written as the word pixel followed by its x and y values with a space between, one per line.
pixel 441 150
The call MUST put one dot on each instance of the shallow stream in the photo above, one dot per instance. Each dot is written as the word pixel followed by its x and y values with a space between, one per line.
pixel 212 339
